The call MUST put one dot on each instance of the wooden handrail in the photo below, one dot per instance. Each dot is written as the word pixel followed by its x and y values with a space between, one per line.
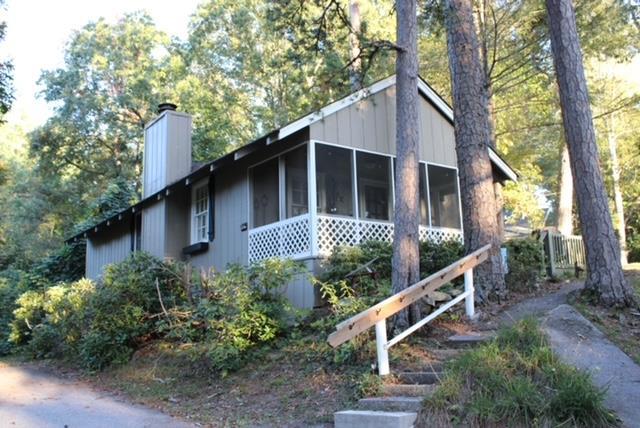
pixel 366 319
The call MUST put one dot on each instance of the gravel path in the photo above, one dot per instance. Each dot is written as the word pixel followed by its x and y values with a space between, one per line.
pixel 32 398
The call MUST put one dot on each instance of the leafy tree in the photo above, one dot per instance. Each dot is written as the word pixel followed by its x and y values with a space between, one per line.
pixel 113 77
pixel 6 80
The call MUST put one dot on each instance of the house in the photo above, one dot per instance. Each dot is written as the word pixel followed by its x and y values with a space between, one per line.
pixel 323 180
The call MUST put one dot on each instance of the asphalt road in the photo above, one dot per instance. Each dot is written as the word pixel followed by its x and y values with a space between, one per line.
pixel 31 398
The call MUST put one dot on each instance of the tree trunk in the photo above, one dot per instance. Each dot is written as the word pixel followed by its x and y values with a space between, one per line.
pixel 472 133
pixel 565 199
pixel 604 271
pixel 355 70
pixel 406 260
pixel 617 192
pixel 481 23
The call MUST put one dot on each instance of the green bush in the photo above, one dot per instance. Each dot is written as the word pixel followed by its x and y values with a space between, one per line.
pixel 9 293
pixel 633 245
pixel 65 265
pixel 29 313
pixel 526 264
pixel 237 311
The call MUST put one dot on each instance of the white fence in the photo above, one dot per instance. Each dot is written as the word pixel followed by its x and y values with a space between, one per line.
pixel 564 252
pixel 304 236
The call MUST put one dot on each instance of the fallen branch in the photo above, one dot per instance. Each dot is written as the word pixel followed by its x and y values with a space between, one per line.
pixel 162 303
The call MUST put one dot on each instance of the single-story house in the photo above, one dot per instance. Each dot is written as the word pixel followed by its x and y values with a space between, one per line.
pixel 323 180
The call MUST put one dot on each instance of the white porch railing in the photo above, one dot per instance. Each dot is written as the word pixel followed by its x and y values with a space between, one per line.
pixel 378 314
pixel 293 238
pixel 290 238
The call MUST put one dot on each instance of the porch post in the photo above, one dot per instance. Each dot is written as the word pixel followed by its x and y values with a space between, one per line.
pixel 468 287
pixel 313 200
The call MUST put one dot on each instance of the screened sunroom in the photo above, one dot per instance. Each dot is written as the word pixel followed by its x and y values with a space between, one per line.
pixel 317 195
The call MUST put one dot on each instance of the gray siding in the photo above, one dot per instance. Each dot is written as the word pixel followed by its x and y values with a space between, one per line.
pixel 167 151
pixel 153 229
pixel 177 226
pixel 370 125
pixel 114 247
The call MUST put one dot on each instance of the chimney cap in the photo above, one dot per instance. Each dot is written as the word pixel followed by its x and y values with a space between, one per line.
pixel 166 107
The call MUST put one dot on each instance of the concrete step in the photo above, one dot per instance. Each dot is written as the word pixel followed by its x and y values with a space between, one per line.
pixel 403 390
pixel 397 404
pixel 468 340
pixel 373 419
pixel 419 378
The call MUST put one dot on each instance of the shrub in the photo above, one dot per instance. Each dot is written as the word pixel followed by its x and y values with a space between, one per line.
pixel 65 265
pixel 8 295
pixel 238 310
pixel 29 312
pixel 633 245
pixel 526 263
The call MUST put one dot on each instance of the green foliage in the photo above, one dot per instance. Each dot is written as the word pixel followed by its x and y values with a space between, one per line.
pixel 8 295
pixel 236 311
pixel 516 379
pixel 65 265
pixel 633 245
pixel 223 317
pixel 526 263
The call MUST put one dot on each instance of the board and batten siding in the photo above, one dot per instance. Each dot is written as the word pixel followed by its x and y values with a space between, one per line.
pixel 102 251
pixel 370 124
pixel 153 229
pixel 167 151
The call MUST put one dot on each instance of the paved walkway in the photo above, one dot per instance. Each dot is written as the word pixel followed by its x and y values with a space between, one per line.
pixel 579 343
pixel 31 398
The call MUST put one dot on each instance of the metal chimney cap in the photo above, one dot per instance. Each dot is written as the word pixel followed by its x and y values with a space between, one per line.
pixel 166 106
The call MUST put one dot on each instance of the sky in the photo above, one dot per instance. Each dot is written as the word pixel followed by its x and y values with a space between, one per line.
pixel 37 31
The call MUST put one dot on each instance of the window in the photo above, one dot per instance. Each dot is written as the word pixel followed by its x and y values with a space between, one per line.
pixel 295 168
pixel 443 196
pixel 265 191
pixel 422 183
pixel 374 189
pixel 200 213
pixel 334 180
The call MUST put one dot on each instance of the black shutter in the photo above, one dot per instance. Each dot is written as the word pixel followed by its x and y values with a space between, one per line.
pixel 212 207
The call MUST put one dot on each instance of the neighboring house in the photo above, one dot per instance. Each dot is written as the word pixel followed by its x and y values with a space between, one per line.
pixel 321 181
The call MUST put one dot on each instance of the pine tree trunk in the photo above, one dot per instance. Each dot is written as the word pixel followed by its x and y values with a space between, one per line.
pixel 472 133
pixel 617 192
pixel 604 271
pixel 355 69
pixel 406 261
pixel 565 199
pixel 481 24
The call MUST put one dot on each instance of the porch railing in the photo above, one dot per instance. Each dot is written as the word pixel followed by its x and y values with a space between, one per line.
pixel 306 236
pixel 378 314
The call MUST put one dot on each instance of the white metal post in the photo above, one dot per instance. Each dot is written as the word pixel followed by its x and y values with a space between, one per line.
pixel 468 287
pixel 381 342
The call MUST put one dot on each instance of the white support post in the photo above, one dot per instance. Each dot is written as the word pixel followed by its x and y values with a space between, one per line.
pixel 381 342
pixel 313 201
pixel 468 287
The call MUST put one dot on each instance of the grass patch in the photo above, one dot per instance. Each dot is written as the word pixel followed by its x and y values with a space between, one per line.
pixel 516 380
pixel 621 326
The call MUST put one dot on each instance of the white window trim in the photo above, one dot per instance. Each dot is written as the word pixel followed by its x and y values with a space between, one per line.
pixel 194 230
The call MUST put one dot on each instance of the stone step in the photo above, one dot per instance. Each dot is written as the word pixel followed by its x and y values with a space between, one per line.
pixel 419 378
pixel 393 404
pixel 443 355
pixel 403 390
pixel 468 340
pixel 373 419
